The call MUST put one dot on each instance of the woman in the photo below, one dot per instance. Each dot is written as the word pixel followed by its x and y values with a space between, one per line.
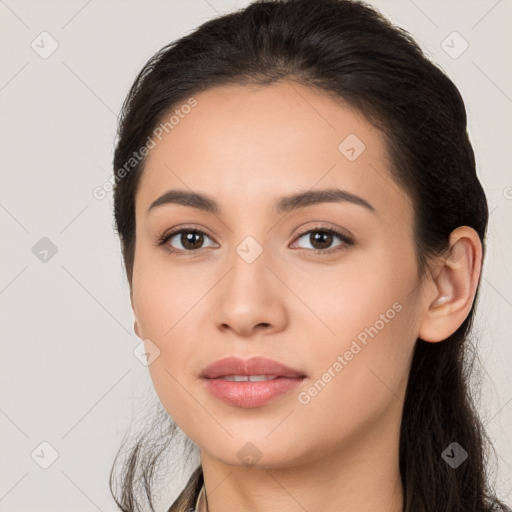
pixel 303 232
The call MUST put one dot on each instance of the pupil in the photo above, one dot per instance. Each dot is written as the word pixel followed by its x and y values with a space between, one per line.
pixel 188 238
pixel 318 238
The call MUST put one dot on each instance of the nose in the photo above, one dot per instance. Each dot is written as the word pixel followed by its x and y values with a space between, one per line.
pixel 251 299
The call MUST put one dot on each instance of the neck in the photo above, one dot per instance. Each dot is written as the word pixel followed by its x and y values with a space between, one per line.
pixel 363 475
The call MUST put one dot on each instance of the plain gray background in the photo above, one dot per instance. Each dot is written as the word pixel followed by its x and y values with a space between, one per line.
pixel 68 374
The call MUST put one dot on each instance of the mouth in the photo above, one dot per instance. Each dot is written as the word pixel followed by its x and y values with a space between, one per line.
pixel 250 383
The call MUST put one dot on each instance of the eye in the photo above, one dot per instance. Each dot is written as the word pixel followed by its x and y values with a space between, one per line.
pixel 323 237
pixel 190 240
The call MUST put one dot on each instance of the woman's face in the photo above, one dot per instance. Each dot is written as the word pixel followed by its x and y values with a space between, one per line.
pixel 253 284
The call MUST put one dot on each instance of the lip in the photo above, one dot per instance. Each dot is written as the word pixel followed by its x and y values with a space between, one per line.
pixel 252 366
pixel 248 394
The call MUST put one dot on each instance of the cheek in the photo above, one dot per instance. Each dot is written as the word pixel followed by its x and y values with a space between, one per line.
pixel 358 379
pixel 357 303
pixel 166 325
pixel 365 361
pixel 166 318
pixel 164 303
pixel 161 295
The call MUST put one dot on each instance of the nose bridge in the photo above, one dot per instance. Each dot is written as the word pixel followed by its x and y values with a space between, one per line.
pixel 249 262
pixel 249 296
pixel 251 238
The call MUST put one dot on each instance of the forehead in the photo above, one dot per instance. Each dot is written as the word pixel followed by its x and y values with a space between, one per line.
pixel 248 145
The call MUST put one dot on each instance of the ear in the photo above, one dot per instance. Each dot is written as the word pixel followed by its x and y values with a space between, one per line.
pixel 136 326
pixel 451 291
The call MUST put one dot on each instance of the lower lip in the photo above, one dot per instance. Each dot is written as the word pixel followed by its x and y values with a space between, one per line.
pixel 251 394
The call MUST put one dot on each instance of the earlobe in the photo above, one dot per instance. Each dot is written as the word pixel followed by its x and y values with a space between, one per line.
pixel 453 288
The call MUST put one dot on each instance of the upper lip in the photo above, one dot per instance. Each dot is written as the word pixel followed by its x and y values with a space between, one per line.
pixel 253 366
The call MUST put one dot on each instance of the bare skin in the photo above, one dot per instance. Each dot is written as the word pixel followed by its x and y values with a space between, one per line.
pixel 246 147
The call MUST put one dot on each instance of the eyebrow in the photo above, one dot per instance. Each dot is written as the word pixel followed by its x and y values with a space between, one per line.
pixel 283 205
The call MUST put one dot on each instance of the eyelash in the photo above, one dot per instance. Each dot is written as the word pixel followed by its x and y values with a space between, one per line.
pixel 345 239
